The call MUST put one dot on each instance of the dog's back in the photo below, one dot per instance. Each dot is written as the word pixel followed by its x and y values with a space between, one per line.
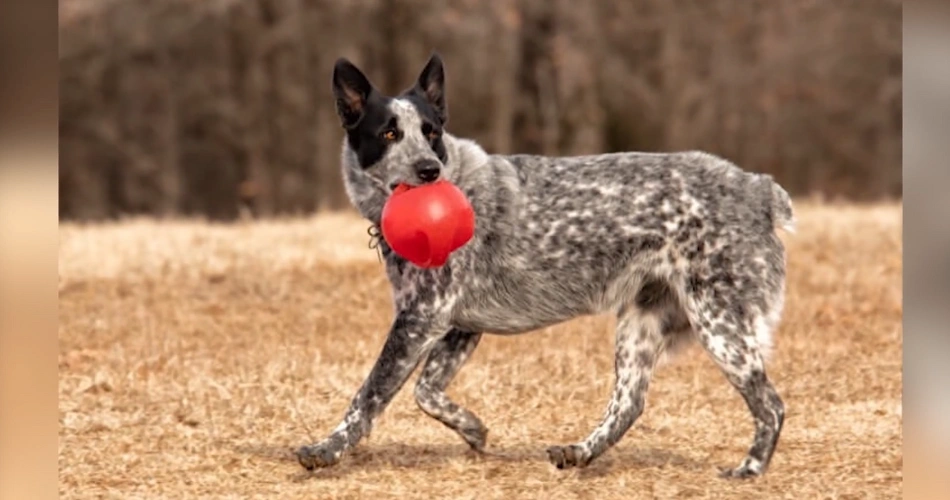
pixel 580 235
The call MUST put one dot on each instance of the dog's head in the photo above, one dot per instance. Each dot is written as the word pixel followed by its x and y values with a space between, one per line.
pixel 390 140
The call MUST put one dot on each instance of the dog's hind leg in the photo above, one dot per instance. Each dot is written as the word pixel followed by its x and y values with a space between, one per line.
pixel 734 350
pixel 443 363
pixel 639 344
pixel 731 330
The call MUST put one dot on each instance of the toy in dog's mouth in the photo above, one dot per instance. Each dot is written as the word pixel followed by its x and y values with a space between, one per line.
pixel 401 188
pixel 425 224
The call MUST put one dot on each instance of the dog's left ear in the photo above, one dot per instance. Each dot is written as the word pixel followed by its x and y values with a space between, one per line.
pixel 431 85
pixel 351 89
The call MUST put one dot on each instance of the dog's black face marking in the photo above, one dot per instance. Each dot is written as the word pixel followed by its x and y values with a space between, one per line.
pixel 378 130
pixel 432 126
pixel 365 113
pixel 371 127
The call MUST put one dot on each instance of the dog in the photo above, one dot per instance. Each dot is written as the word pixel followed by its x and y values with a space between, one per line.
pixel 681 247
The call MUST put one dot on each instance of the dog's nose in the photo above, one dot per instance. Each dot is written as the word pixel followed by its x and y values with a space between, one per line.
pixel 427 170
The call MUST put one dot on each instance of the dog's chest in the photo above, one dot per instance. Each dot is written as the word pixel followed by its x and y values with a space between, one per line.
pixel 506 293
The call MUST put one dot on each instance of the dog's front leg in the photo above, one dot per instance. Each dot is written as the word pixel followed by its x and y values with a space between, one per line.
pixel 409 340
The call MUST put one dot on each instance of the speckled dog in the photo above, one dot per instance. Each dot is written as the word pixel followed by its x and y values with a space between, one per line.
pixel 679 246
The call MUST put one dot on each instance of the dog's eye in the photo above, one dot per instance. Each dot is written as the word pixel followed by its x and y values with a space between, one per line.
pixel 389 135
pixel 431 132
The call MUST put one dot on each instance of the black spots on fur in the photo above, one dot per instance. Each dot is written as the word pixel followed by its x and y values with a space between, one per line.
pixel 575 248
pixel 522 176
pixel 491 239
pixel 720 302
pixel 694 250
pixel 694 284
pixel 651 243
pixel 444 275
pixel 645 243
pixel 470 194
pixel 548 185
pixel 643 336
pixel 694 225
pixel 609 226
pixel 737 358
pixel 622 355
pixel 722 279
pixel 721 191
pixel 393 259
pixel 645 358
pixel 738 309
pixel 718 261
pixel 502 211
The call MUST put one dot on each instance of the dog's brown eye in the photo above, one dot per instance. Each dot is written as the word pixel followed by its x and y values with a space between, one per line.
pixel 389 135
pixel 429 131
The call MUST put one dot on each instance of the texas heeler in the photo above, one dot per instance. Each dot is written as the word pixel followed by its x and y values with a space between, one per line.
pixel 679 246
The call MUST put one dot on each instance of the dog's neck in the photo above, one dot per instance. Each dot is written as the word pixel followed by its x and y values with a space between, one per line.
pixel 468 160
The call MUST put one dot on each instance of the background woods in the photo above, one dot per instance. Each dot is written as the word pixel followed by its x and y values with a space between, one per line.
pixel 201 108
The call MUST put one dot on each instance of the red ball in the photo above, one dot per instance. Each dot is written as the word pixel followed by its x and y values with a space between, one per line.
pixel 425 224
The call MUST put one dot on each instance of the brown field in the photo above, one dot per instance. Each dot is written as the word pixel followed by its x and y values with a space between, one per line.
pixel 194 357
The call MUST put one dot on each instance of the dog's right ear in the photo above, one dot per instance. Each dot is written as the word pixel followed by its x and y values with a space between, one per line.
pixel 351 89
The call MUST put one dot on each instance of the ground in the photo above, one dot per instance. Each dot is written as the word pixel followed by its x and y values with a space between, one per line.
pixel 195 357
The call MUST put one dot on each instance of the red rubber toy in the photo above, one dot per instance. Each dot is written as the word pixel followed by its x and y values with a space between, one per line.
pixel 425 224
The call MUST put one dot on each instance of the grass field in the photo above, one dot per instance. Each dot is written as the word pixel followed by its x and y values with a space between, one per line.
pixel 194 358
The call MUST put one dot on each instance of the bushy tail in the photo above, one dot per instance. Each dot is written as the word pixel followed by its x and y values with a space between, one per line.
pixel 782 213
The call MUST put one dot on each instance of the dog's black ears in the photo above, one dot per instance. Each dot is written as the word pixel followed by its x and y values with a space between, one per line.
pixel 431 85
pixel 351 89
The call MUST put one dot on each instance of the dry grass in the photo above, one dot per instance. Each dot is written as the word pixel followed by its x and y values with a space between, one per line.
pixel 194 357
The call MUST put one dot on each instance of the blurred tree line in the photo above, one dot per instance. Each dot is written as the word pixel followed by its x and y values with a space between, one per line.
pixel 217 108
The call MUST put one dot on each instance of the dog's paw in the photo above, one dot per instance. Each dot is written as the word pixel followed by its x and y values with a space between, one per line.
pixel 319 455
pixel 749 468
pixel 476 436
pixel 565 457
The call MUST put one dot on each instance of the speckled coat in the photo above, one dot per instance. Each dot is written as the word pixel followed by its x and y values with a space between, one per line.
pixel 679 246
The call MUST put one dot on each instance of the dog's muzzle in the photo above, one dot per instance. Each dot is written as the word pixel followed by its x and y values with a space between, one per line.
pixel 427 170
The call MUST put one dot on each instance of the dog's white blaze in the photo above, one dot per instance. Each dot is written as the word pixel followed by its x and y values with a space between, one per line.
pixel 406 114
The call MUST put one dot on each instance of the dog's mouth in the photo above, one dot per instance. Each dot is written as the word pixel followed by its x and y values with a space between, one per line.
pixel 402 187
pixel 398 187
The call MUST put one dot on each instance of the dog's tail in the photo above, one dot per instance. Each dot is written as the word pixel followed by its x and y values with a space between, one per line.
pixel 783 216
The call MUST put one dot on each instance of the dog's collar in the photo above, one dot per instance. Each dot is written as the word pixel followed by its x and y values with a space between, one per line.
pixel 377 242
